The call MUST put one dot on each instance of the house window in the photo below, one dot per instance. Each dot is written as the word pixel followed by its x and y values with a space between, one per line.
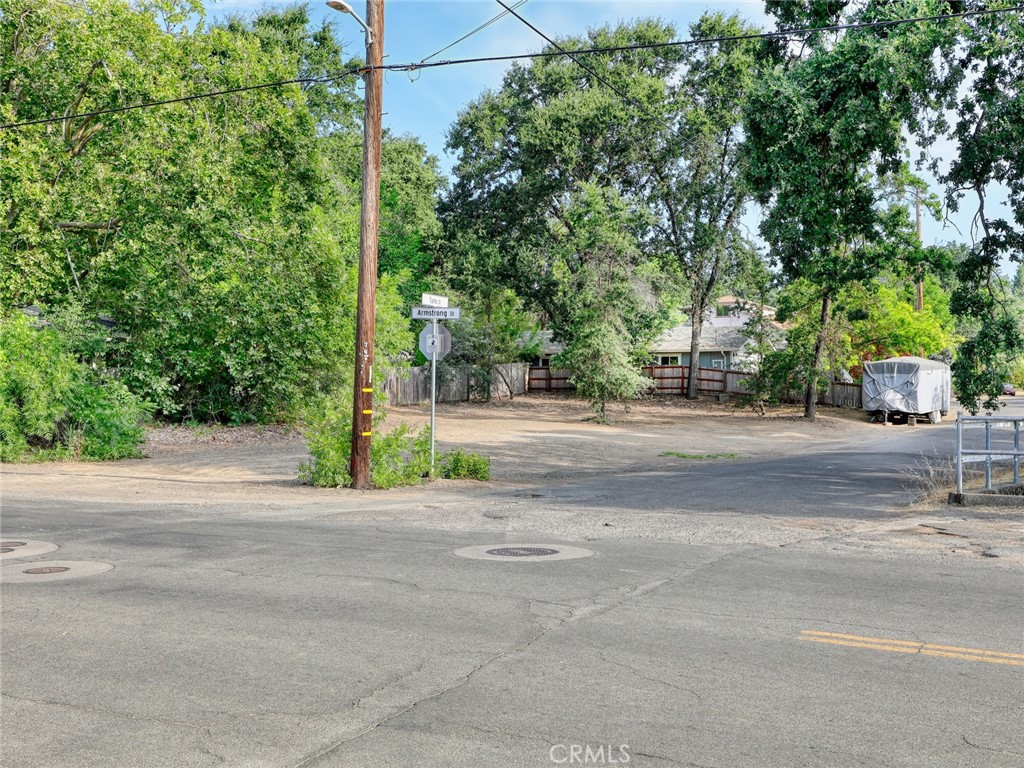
pixel 541 362
pixel 668 360
pixel 723 310
pixel 719 364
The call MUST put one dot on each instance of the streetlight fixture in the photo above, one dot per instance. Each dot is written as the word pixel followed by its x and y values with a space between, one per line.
pixel 343 7
pixel 366 303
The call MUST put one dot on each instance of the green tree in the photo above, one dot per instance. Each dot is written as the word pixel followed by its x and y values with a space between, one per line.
pixel 956 81
pixel 219 234
pixel 886 324
pixel 545 170
pixel 694 186
pixel 496 327
pixel 823 130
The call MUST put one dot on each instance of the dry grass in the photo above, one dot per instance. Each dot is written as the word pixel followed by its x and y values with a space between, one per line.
pixel 935 475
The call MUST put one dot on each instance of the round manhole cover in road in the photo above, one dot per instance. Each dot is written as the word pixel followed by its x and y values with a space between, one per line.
pixel 15 549
pixel 524 553
pixel 51 570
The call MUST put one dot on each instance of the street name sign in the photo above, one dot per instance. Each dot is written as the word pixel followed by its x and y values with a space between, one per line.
pixel 436 313
pixel 433 300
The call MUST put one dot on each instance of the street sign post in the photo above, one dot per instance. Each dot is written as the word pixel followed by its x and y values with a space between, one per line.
pixel 435 344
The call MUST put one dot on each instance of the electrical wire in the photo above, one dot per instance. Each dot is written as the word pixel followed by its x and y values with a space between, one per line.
pixel 193 97
pixel 413 66
pixel 628 99
pixel 723 39
pixel 466 36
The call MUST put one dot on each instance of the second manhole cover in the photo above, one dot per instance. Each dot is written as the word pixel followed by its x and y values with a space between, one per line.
pixel 522 551
pixel 51 570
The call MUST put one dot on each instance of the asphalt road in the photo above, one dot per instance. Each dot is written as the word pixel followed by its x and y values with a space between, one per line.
pixel 242 638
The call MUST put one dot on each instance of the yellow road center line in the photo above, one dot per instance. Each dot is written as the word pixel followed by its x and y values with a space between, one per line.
pixel 909 646
pixel 858 638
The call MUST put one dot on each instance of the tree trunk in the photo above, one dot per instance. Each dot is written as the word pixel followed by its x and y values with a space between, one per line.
pixel 811 393
pixel 697 321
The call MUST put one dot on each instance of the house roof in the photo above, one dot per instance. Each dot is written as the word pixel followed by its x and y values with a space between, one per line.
pixel 543 338
pixel 727 338
pixel 729 300
pixel 712 339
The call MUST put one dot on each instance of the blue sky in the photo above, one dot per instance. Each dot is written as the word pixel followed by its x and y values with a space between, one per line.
pixel 426 103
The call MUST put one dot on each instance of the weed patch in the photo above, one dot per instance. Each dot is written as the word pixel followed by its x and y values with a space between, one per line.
pixel 681 455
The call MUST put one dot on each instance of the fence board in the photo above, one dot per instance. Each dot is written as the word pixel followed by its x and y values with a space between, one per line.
pixel 671 379
pixel 412 385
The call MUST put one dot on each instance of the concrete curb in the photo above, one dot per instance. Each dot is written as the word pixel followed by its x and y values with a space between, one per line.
pixel 991 498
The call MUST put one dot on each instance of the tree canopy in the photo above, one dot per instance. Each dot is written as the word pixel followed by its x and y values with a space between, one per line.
pixel 220 235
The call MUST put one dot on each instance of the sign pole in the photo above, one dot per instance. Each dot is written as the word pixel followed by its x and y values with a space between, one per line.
pixel 433 396
pixel 435 343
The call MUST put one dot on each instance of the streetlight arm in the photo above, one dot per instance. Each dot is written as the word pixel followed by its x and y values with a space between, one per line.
pixel 343 7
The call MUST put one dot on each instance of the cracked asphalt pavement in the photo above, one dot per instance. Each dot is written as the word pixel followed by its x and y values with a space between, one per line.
pixel 768 611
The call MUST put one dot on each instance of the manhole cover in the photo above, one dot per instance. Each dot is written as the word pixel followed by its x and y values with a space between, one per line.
pixel 21 548
pixel 522 551
pixel 51 570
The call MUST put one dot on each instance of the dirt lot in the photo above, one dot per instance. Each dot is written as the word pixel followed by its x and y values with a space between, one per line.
pixel 534 440
pixel 650 474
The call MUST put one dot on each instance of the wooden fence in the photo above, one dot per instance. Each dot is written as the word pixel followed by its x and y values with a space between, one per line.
pixel 454 384
pixel 548 379
pixel 671 380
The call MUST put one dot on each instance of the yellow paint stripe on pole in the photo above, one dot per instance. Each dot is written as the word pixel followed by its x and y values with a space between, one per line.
pixel 909 646
pixel 367 389
pixel 366 434
pixel 367 411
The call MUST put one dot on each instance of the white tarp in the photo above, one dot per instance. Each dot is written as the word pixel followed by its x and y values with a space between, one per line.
pixel 906 385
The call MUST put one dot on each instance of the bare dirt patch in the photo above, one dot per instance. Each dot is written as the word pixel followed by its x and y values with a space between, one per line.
pixel 542 447
pixel 532 440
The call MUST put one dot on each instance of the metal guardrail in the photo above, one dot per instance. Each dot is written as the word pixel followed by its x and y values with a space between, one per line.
pixel 988 454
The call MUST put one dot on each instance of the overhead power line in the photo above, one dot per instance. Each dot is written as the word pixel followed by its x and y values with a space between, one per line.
pixel 786 33
pixel 413 66
pixel 625 97
pixel 182 99
pixel 469 34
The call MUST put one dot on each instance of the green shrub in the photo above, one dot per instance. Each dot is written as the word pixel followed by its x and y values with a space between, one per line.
pixel 54 407
pixel 463 465
pixel 329 439
pixel 396 457
pixel 106 420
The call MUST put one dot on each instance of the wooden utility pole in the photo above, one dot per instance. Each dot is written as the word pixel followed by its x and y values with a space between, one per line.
pixel 366 311
pixel 919 303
